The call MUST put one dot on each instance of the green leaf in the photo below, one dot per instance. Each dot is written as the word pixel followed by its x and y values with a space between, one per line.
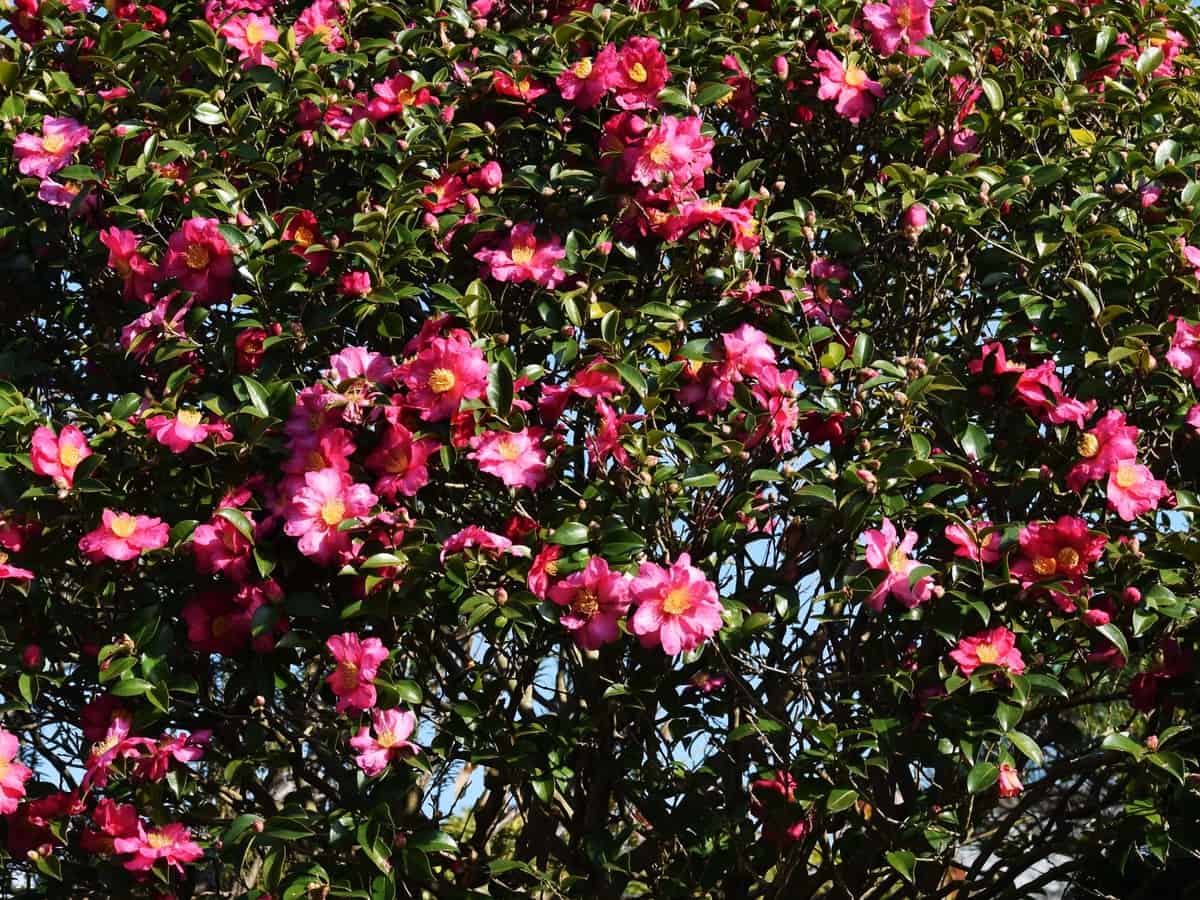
pixel 1124 744
pixel 409 692
pixel 982 776
pixel 840 799
pixel 864 349
pixel 993 92
pixel 208 114
pixel 500 389
pixel 1028 746
pixel 259 398
pixel 903 862
pixel 569 534
pixel 130 687
pixel 975 442
pixel 433 841
pixel 238 520
pixel 1114 634
pixel 1150 60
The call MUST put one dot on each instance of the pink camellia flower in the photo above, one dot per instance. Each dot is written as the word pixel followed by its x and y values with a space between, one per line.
pixel 850 87
pixel 358 662
pixel 914 220
pixel 171 843
pixel 400 462
pixel 587 80
pixel 138 274
pixel 515 457
pixel 595 598
pixel 1133 490
pixel 489 177
pixel 155 763
pixel 304 232
pixel 674 150
pixel 58 456
pixel 887 553
pixel 327 499
pixel 359 363
pixel 392 729
pixel 473 536
pixel 996 647
pixel 1184 354
pixel 1010 781
pixel 1041 391
pixel 968 545
pixel 639 73
pixel 13 774
pixel 1193 416
pixel 899 23
pixel 444 374
pixel 42 156
pixel 112 820
pixel 775 390
pixel 122 536
pixel 177 433
pixel 773 800
pixel 64 196
pixel 216 624
pixel 9 572
pixel 1060 550
pixel 355 284
pixel 523 88
pixel 677 607
pixel 200 260
pixel 394 95
pixel 1107 444
pixel 323 21
pixel 220 548
pixel 248 34
pixel 544 567
pixel 521 257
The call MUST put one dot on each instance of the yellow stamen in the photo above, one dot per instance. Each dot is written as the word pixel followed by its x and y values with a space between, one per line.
pixel 677 602
pixel 69 455
pixel 124 525
pixel 637 72
pixel 441 380
pixel 189 417
pixel 333 512
pixel 583 69
pixel 1045 565
pixel 586 604
pixel 1088 446
pixel 196 256
pixel 855 77
pixel 987 654
pixel 522 255
pixel 53 143
pixel 1067 558
pixel 1126 476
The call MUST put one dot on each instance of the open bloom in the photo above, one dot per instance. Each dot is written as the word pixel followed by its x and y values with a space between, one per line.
pixel 1061 550
pixel 13 774
pixel 392 729
pixel 968 545
pixel 773 800
pixel 217 624
pixel 1101 449
pixel 138 274
pixel 899 23
pixel 446 372
pixel 185 428
pixel 515 457
pixel 323 21
pixel 327 499
pixel 58 456
pixel 887 553
pixel 220 548
pixel 358 662
pixel 1041 390
pixel 521 257
pixel 849 86
pixel 1010 781
pixel 248 35
pixel 200 260
pixel 587 79
pixel 996 647
pixel 42 156
pixel 639 74
pixel 1133 490
pixel 677 607
pixel 394 95
pixel 1184 354
pixel 171 843
pixel 473 536
pixel 122 536
pixel 595 598
pixel 674 150
pixel 400 462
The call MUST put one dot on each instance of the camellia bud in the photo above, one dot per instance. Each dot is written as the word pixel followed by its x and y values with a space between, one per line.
pixel 914 220
pixel 1131 596
pixel 1095 618
pixel 1152 742
pixel 31 657
pixel 781 68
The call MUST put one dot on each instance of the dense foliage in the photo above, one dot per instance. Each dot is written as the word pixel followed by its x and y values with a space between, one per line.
pixel 680 448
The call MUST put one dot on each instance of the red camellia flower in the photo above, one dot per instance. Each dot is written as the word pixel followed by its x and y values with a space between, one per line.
pixel 302 230
pixel 639 74
pixel 200 260
pixel 1059 550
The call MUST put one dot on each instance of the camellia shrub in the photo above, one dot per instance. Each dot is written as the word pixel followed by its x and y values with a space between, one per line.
pixel 675 448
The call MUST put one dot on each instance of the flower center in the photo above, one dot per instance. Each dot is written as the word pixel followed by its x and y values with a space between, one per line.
pixel 347 676
pixel 855 77
pixel 255 34
pixel 196 256
pixel 220 626
pixel 1067 558
pixel 904 16
pixel 586 604
pixel 189 417
pixel 158 840
pixel 1126 476
pixel 398 462
pixel 386 739
pixel 660 154
pixel 69 455
pixel 124 525
pixel 3 557
pixel 987 654
pixel 1088 446
pixel 522 255
pixel 524 85
pixel 583 69
pixel 1045 565
pixel 441 380
pixel 551 567
pixel 637 72
pixel 333 512
pixel 53 143
pixel 677 602
pixel 509 449
pixel 303 236
pixel 896 559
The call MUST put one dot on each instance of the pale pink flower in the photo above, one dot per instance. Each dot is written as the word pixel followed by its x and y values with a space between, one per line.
pixel 59 456
pixel 851 88
pixel 677 607
pixel 353 363
pixel 358 662
pixel 1010 781
pixel 521 257
pixel 13 774
pixel 446 372
pixel 595 598
pixel 515 457
pixel 248 34
pixel 887 553
pixel 996 647
pixel 171 843
pixel 122 536
pixel 42 156
pixel 899 23
pixel 392 729
pixel 187 427
pixel 315 513
pixel 1133 490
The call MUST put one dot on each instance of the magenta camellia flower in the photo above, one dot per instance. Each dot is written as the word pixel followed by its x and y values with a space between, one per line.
pixel 172 844
pixel 446 372
pixel 521 257
pixel 220 548
pixel 122 536
pixel 1060 550
pixel 9 572
pixel 1010 781
pixel 968 545
pixel 138 274
pixel 543 568
pixel 595 599
pixel 248 35
pixel 1184 354
pixel 899 23
pixel 355 284
pixel 400 462
pixel 13 774
pixel 914 220
pixel 216 624
pixel 1109 443
pixel 177 433
pixel 473 536
pixel 323 21
pixel 639 74
pixel 674 150
pixel 887 553
pixel 996 647
pixel 58 456
pixel 849 86
pixel 358 662
pixel 515 457
pixel 587 79
pixel 42 156
pixel 678 608
pixel 200 260
pixel 392 729
pixel 1041 391
pixel 327 499
pixel 1133 490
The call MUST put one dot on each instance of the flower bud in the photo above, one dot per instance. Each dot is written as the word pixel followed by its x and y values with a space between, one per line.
pixel 31 657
